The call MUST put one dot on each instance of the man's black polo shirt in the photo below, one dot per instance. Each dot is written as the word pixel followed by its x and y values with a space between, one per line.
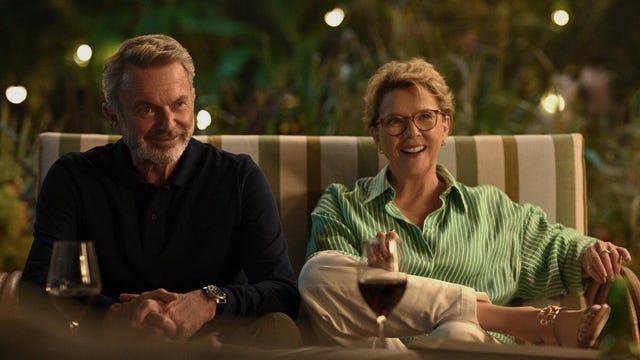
pixel 214 219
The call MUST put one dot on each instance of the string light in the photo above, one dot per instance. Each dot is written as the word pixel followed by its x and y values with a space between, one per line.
pixel 203 119
pixel 560 17
pixel 334 17
pixel 552 103
pixel 83 54
pixel 16 94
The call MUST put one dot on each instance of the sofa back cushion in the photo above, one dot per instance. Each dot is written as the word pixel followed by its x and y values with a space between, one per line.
pixel 546 170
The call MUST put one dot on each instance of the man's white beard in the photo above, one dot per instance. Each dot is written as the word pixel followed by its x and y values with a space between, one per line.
pixel 145 151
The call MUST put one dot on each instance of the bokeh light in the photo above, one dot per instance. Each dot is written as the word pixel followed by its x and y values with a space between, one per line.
pixel 203 119
pixel 552 103
pixel 83 54
pixel 560 17
pixel 334 17
pixel 16 94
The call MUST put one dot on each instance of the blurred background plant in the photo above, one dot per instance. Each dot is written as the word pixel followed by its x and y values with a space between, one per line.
pixel 15 165
pixel 278 67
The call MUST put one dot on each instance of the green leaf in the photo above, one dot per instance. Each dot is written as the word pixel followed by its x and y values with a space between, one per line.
pixel 232 62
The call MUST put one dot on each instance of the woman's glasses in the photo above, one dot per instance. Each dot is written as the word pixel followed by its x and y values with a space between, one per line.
pixel 396 125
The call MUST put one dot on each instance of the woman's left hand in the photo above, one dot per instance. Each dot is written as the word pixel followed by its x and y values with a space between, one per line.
pixel 602 261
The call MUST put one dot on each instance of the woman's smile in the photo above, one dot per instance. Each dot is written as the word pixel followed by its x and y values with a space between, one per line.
pixel 414 149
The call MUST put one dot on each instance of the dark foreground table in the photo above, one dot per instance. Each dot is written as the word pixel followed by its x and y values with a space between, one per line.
pixel 24 336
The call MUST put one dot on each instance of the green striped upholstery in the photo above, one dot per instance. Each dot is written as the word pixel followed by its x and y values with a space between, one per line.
pixel 546 170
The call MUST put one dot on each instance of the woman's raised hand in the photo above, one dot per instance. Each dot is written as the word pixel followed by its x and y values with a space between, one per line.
pixel 603 260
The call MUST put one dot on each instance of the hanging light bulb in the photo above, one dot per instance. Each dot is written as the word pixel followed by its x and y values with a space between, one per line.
pixel 16 94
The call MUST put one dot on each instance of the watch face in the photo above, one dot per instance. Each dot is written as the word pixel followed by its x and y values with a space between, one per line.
pixel 214 292
pixel 218 293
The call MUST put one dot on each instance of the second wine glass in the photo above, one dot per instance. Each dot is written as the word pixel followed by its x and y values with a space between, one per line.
pixel 74 277
pixel 380 280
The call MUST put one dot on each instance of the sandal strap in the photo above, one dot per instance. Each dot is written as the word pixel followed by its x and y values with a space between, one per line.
pixel 547 318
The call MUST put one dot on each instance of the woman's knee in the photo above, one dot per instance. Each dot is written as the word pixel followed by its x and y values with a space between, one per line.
pixel 326 268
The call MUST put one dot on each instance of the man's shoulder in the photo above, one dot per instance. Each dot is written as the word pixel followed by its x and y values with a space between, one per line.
pixel 80 169
pixel 206 161
pixel 209 153
pixel 98 155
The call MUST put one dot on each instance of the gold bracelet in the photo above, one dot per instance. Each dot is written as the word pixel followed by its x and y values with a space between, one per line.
pixel 548 315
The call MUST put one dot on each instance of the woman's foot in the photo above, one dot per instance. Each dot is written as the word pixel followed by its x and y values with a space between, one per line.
pixel 573 328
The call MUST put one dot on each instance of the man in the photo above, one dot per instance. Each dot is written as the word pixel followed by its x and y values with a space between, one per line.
pixel 177 224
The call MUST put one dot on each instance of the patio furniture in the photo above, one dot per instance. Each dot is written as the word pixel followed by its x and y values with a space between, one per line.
pixel 546 170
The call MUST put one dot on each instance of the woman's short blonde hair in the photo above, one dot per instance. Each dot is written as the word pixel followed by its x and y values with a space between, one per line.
pixel 142 51
pixel 397 74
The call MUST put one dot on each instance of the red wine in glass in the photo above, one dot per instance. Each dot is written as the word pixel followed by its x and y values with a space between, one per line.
pixel 74 278
pixel 382 295
pixel 380 280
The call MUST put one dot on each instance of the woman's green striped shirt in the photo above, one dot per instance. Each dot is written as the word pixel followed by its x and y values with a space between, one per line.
pixel 478 238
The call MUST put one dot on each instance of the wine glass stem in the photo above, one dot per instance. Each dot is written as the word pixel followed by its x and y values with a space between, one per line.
pixel 73 327
pixel 381 320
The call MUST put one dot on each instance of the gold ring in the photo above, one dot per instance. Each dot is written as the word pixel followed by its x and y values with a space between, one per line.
pixel 604 251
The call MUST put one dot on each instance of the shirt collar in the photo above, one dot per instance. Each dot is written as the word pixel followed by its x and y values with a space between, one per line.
pixel 453 190
pixel 380 185
pixel 180 176
pixel 187 164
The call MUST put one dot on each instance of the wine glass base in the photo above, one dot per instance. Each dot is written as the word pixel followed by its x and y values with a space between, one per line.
pixel 388 344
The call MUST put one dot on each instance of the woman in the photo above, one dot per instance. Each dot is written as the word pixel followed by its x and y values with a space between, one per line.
pixel 483 249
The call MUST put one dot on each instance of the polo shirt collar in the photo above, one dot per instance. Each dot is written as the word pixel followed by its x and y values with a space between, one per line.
pixel 187 164
pixel 181 175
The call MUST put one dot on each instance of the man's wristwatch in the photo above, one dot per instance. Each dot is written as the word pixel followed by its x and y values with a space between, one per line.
pixel 215 293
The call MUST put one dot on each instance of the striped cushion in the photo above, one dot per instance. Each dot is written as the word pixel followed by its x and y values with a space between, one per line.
pixel 546 170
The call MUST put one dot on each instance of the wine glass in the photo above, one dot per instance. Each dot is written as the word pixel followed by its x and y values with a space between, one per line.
pixel 380 280
pixel 74 277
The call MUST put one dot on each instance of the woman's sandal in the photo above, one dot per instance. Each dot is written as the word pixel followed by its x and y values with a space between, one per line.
pixel 587 334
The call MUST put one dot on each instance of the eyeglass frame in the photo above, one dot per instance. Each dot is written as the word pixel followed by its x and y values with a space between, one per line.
pixel 410 118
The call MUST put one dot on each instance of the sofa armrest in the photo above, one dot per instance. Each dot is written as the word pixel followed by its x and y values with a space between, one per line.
pixel 9 287
pixel 597 293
